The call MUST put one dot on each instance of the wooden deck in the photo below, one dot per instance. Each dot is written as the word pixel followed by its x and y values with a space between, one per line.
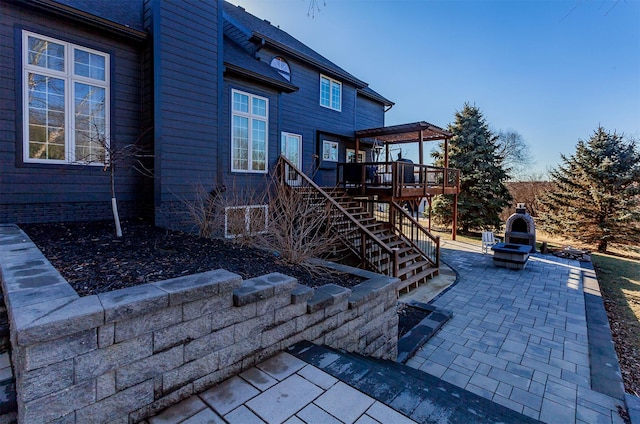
pixel 397 181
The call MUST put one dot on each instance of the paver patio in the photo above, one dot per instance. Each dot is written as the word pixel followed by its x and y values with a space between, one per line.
pixel 518 338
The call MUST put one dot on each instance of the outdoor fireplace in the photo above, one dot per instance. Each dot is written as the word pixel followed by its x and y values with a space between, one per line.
pixel 520 228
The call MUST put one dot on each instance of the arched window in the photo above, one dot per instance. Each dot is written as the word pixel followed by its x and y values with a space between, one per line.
pixel 282 67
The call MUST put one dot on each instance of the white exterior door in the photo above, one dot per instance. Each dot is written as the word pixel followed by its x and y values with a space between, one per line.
pixel 291 148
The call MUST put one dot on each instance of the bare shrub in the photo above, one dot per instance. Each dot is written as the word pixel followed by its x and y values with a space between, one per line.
pixel 228 212
pixel 299 227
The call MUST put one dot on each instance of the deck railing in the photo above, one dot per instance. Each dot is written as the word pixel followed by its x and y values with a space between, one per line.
pixel 373 252
pixel 408 228
pixel 403 178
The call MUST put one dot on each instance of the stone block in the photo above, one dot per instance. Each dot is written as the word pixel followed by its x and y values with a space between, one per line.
pixel 106 335
pixel 149 368
pixel 60 290
pixel 193 287
pixel 147 323
pixel 270 306
pixel 327 295
pixel 164 402
pixel 278 333
pixel 105 385
pixel 52 320
pixel 97 362
pixel 301 294
pixel 252 328
pixel 281 283
pixel 253 290
pixel 336 308
pixel 117 406
pixel 233 315
pixel 50 352
pixel 289 313
pixel 216 377
pixel 208 343
pixel 238 351
pixel 309 319
pixel 181 333
pixel 132 302
pixel 43 381
pixel 58 404
pixel 206 306
pixel 190 372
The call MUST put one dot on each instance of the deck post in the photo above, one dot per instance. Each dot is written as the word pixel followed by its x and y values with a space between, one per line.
pixel 455 217
pixel 363 250
pixel 395 261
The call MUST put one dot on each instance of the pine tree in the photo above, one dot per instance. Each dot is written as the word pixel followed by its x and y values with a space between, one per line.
pixel 473 149
pixel 597 196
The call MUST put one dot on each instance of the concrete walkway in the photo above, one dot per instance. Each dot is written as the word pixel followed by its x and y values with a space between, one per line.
pixel 519 338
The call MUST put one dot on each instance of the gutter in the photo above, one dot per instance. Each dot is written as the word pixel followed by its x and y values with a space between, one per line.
pixel 85 17
pixel 301 56
pixel 235 69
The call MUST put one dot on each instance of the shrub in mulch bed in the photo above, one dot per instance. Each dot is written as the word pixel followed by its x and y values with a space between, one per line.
pixel 93 260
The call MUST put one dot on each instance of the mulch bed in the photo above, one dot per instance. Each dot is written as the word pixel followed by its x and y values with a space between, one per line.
pixel 93 260
pixel 409 317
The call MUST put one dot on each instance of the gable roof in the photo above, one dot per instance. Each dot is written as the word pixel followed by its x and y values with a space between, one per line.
pixel 258 30
pixel 239 61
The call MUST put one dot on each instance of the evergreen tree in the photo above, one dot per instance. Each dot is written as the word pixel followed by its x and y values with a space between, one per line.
pixel 474 150
pixel 597 196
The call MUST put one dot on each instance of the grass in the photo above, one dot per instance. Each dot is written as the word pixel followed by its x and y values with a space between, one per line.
pixel 619 280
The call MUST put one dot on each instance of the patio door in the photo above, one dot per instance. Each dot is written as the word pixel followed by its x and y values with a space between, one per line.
pixel 291 148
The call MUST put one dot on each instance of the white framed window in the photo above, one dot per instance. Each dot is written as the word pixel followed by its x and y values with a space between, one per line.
pixel 351 155
pixel 330 151
pixel 282 67
pixel 65 101
pixel 249 132
pixel 330 93
pixel 245 220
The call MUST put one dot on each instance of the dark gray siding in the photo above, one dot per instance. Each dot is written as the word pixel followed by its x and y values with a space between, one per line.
pixel 44 192
pixel 370 113
pixel 302 114
pixel 185 56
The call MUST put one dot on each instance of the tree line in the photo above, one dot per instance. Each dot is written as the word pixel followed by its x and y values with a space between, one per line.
pixel 592 197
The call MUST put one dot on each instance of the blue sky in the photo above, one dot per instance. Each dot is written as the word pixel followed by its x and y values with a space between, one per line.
pixel 551 70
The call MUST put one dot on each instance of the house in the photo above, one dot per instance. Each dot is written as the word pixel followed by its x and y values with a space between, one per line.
pixel 215 95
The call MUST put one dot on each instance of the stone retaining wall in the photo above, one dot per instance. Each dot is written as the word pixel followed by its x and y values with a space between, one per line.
pixel 122 356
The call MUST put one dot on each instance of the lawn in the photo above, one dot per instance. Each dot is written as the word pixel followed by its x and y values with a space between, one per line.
pixel 619 280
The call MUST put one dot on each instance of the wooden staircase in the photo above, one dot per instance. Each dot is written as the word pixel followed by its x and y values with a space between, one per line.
pixel 397 246
pixel 413 266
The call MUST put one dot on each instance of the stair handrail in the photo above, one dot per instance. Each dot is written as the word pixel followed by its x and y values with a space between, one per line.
pixel 419 227
pixel 393 253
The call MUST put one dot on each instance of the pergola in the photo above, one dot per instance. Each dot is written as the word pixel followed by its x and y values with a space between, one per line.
pixel 416 132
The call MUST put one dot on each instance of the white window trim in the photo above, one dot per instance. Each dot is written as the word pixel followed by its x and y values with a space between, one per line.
pixel 251 117
pixel 332 82
pixel 247 220
pixel 69 78
pixel 362 155
pixel 331 144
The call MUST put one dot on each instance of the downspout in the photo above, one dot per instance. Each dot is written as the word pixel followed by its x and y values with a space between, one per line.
pixel 388 108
